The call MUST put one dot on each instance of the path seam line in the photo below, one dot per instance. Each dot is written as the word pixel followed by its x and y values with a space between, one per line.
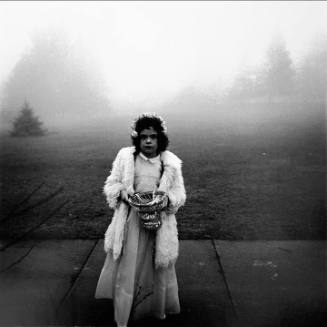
pixel 229 293
pixel 76 279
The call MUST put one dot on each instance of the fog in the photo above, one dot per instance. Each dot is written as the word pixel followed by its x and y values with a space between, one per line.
pixel 75 60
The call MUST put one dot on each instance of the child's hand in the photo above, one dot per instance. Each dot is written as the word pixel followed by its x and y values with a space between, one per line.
pixel 124 195
pixel 166 199
pixel 169 209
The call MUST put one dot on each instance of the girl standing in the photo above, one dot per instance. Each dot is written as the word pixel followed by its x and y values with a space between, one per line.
pixel 139 269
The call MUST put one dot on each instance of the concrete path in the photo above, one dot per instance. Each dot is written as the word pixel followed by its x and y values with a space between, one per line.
pixel 277 283
pixel 221 283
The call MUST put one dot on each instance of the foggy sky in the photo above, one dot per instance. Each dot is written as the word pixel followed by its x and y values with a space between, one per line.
pixel 149 51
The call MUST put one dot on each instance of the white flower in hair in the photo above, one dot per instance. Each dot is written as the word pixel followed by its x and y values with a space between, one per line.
pixel 134 134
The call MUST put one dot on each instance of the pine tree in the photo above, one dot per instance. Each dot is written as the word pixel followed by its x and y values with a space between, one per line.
pixel 27 124
pixel 59 80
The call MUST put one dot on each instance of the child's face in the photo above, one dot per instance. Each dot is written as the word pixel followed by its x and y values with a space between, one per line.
pixel 149 142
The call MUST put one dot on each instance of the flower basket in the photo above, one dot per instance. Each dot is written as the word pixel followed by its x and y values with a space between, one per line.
pixel 149 206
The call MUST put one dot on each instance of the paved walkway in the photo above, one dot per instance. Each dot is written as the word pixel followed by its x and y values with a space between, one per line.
pixel 221 283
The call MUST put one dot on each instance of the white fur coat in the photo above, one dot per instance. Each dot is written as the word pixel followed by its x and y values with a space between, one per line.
pixel 171 182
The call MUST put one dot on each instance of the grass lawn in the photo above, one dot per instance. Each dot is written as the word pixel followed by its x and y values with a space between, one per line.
pixel 245 179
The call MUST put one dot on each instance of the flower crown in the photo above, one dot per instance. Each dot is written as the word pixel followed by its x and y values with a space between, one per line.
pixel 134 133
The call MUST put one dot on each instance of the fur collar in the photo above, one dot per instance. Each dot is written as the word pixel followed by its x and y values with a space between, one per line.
pixel 170 161
pixel 167 157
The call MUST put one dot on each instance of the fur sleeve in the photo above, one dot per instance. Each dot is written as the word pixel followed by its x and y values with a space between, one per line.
pixel 113 184
pixel 176 193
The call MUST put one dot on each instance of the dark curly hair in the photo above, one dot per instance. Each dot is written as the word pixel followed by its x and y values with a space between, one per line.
pixel 145 122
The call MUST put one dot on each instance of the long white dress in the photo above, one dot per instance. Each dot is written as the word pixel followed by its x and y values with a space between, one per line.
pixel 136 287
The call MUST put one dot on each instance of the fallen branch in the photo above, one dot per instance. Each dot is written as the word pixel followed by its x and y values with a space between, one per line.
pixel 49 197
pixel 19 260
pixel 17 239
pixel 22 202
pixel 46 199
pixel 137 301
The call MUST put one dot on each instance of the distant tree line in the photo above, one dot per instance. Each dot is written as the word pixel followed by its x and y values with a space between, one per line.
pixel 66 90
pixel 279 77
pixel 59 81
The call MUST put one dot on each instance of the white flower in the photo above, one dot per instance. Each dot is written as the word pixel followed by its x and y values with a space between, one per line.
pixel 134 134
